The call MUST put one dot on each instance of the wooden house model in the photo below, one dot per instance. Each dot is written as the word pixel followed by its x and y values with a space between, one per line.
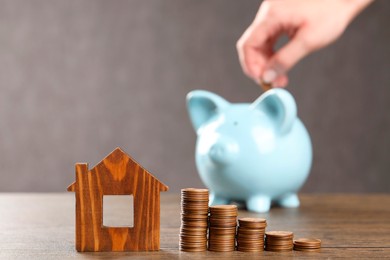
pixel 117 174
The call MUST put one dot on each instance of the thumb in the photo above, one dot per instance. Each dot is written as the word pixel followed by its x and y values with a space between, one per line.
pixel 285 58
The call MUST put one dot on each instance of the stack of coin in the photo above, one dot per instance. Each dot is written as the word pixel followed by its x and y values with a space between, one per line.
pixel 194 214
pixel 307 244
pixel 279 241
pixel 222 230
pixel 250 234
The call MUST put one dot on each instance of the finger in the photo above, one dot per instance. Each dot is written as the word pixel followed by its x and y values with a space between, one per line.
pixel 247 57
pixel 284 59
pixel 255 47
pixel 250 57
pixel 281 81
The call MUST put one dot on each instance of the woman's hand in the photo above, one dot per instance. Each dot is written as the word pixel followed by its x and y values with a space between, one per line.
pixel 309 24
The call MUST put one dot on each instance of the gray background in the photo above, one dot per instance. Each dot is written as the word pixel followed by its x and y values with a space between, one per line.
pixel 78 78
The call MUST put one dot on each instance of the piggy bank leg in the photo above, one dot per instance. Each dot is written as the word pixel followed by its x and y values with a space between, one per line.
pixel 289 201
pixel 217 200
pixel 258 203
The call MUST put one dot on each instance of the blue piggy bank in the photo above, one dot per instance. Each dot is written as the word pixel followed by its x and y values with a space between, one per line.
pixel 257 153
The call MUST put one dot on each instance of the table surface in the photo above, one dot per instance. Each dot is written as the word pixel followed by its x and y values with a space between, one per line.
pixel 41 226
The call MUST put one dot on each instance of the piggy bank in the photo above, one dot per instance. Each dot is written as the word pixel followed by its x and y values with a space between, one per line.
pixel 259 153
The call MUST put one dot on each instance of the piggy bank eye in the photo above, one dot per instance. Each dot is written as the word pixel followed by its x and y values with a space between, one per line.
pixel 235 123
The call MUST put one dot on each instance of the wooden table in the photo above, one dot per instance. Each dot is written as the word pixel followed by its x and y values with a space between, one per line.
pixel 41 226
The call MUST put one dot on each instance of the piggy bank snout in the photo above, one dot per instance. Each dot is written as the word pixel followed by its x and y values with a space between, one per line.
pixel 223 152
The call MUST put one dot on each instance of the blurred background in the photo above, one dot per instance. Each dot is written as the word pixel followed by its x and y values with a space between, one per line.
pixel 79 78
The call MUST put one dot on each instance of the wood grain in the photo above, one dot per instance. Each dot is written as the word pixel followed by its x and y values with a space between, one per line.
pixel 117 174
pixel 41 226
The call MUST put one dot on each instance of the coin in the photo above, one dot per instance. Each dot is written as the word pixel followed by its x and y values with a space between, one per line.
pixel 265 85
pixel 279 234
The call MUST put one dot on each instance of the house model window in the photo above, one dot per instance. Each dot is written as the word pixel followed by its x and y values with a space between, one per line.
pixel 118 210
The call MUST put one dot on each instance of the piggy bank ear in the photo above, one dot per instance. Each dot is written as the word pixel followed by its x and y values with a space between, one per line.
pixel 280 106
pixel 202 106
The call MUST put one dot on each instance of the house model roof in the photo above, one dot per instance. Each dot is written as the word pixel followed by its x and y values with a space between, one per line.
pixel 116 164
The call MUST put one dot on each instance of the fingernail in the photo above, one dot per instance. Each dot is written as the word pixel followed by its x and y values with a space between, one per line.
pixel 269 76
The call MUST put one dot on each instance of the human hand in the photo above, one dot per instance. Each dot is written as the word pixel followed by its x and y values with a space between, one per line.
pixel 309 24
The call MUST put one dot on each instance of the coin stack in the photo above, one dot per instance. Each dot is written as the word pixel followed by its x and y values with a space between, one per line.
pixel 250 234
pixel 307 244
pixel 194 214
pixel 279 241
pixel 222 230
